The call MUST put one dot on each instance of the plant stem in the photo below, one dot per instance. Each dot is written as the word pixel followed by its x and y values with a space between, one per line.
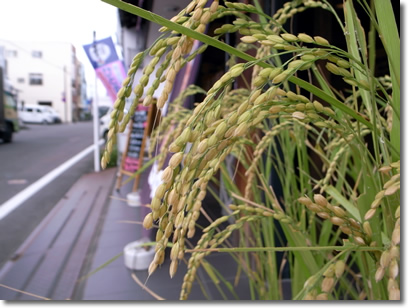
pixel 319 248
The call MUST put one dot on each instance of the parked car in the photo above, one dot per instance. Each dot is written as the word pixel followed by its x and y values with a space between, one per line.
pixel 39 114
pixel 104 125
pixel 103 110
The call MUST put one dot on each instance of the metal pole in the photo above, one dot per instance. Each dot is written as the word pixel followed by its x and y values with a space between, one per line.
pixel 96 118
pixel 65 96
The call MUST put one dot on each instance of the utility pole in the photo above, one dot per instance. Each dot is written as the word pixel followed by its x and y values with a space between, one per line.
pixel 95 104
pixel 65 96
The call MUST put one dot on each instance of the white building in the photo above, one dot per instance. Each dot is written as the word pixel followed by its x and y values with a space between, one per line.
pixel 45 73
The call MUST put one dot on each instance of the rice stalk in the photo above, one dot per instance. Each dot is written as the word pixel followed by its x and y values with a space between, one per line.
pixel 271 128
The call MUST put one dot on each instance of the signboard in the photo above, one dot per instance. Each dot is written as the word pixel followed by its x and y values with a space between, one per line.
pixel 108 67
pixel 141 126
pixel 135 141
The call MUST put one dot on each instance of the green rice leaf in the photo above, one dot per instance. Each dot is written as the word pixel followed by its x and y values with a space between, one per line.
pixel 344 202
pixel 390 37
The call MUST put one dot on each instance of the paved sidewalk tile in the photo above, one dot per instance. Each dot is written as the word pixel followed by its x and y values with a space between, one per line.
pixel 48 263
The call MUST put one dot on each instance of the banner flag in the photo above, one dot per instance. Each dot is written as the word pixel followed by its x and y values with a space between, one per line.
pixel 108 67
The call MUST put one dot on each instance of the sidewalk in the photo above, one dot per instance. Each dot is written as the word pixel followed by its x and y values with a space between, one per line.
pixel 85 230
pixel 50 260
pixel 115 282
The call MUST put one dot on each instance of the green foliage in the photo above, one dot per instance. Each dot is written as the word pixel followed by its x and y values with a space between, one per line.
pixel 336 152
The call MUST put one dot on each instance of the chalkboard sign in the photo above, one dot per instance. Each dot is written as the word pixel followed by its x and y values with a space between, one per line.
pixel 136 139
pixel 140 128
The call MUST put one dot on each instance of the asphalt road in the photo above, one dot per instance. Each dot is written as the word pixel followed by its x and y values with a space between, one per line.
pixel 35 151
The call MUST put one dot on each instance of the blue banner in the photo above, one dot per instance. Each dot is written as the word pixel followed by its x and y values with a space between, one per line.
pixel 101 52
pixel 107 65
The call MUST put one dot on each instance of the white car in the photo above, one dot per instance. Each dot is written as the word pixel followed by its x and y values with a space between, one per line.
pixel 38 114
pixel 104 124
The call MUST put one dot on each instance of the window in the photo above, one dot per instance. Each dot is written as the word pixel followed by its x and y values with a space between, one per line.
pixel 20 80
pixel 36 54
pixel 45 103
pixel 11 53
pixel 36 79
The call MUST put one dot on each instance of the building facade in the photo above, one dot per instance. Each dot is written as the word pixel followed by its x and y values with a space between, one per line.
pixel 46 73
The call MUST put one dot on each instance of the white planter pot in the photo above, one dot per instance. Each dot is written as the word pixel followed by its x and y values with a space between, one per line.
pixel 122 139
pixel 133 199
pixel 136 256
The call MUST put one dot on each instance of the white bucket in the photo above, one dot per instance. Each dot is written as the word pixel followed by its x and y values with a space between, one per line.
pixel 138 257
pixel 133 199
pixel 122 139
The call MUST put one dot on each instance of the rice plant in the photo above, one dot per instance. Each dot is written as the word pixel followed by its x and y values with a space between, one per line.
pixel 332 217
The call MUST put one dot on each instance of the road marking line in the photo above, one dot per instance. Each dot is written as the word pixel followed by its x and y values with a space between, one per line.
pixel 14 202
pixel 17 182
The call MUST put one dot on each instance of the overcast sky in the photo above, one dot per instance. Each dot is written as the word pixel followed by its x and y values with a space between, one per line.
pixel 70 21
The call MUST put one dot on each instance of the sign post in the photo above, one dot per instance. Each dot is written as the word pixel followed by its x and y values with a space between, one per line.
pixel 95 105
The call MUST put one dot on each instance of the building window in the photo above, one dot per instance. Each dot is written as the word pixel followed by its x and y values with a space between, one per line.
pixel 20 80
pixel 36 54
pixel 45 103
pixel 36 79
pixel 11 53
